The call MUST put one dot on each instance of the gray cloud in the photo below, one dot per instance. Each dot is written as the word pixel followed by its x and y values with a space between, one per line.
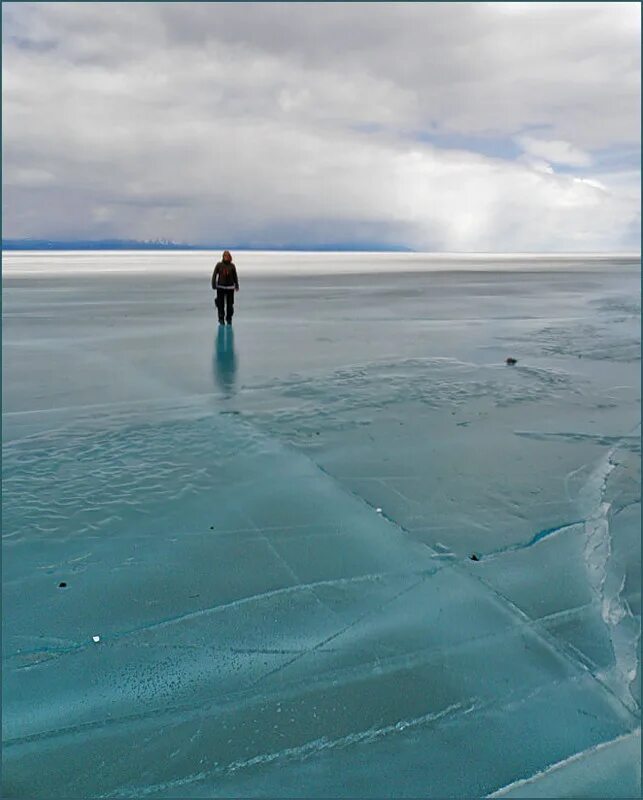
pixel 256 122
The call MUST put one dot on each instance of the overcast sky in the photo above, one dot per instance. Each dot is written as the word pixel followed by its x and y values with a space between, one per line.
pixel 439 126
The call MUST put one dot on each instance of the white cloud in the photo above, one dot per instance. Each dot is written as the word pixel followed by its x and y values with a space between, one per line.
pixel 241 122
pixel 592 182
pixel 557 151
pixel 537 164
pixel 27 177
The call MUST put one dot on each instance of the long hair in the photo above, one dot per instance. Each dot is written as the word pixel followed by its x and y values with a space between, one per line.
pixel 226 253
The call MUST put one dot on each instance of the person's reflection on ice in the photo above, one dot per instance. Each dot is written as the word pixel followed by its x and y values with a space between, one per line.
pixel 224 360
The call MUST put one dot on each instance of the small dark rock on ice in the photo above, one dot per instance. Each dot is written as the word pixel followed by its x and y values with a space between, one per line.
pixel 511 361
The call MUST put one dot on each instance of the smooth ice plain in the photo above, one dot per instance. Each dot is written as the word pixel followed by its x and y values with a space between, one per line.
pixel 270 527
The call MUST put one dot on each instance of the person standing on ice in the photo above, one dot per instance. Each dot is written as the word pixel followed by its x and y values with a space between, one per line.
pixel 225 282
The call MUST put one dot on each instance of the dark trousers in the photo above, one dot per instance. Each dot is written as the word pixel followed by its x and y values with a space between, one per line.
pixel 225 304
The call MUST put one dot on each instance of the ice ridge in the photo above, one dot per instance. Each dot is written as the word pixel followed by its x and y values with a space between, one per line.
pixel 608 583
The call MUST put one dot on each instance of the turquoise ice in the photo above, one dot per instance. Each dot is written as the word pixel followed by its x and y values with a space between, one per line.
pixel 270 528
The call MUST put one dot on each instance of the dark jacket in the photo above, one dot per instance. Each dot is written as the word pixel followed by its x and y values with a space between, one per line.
pixel 225 276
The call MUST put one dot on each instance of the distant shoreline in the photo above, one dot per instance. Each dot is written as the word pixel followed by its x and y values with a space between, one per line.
pixel 294 251
pixel 125 246
pixel 113 245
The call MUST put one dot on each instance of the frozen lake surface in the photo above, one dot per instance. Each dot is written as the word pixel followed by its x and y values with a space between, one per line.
pixel 270 527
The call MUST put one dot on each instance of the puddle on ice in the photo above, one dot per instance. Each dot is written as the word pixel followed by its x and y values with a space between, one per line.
pixel 340 550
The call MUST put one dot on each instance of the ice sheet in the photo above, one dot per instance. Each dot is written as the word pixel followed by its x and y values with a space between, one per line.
pixel 270 527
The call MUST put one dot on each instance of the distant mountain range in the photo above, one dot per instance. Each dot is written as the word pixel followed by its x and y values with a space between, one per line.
pixel 161 244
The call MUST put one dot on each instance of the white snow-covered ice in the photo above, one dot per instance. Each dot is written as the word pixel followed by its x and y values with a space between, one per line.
pixel 338 549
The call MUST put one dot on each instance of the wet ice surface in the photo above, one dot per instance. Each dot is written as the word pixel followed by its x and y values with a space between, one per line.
pixel 270 528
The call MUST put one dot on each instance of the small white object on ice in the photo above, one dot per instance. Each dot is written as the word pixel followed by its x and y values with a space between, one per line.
pixel 96 638
pixel 379 510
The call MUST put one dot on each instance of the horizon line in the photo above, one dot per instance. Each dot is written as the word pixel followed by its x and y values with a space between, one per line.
pixel 120 245
pixel 458 253
pixel 33 244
